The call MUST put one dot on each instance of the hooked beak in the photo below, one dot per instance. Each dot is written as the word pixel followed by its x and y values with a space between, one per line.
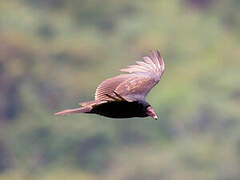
pixel 150 112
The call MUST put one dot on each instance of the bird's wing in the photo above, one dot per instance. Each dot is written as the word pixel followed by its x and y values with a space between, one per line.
pixel 135 85
pixel 145 76
pixel 105 91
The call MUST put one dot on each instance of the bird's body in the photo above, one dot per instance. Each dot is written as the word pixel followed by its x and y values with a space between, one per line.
pixel 121 109
pixel 123 96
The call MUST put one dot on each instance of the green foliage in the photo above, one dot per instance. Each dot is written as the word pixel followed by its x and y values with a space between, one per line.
pixel 53 53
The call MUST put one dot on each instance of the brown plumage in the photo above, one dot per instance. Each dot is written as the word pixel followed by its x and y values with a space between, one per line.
pixel 123 96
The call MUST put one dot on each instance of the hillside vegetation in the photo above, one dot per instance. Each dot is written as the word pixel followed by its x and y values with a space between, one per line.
pixel 54 53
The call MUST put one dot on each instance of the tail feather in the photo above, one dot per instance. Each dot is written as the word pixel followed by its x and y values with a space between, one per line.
pixel 91 103
pixel 87 103
pixel 72 111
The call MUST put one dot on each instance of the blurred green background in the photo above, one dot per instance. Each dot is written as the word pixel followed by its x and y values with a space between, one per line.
pixel 53 54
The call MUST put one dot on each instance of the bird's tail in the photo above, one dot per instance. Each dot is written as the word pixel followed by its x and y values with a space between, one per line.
pixel 72 111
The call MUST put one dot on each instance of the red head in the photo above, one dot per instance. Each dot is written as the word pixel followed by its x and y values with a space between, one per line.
pixel 150 112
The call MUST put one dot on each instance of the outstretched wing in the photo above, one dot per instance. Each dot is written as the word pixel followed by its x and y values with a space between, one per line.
pixel 135 85
pixel 145 76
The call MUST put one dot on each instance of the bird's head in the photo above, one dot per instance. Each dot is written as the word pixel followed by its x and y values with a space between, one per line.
pixel 147 110
pixel 150 112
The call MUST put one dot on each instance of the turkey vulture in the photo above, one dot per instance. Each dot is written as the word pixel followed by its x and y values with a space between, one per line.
pixel 123 96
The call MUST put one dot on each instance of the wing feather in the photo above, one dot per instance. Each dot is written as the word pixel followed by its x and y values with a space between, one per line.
pixel 143 81
pixel 153 66
pixel 108 86
pixel 135 85
pixel 155 60
pixel 141 63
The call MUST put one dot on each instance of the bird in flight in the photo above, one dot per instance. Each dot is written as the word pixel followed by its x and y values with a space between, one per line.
pixel 123 96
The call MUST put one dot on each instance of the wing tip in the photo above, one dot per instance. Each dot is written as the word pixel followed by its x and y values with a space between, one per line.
pixel 154 63
pixel 157 55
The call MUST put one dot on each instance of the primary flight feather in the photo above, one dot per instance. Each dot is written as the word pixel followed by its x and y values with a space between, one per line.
pixel 123 96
